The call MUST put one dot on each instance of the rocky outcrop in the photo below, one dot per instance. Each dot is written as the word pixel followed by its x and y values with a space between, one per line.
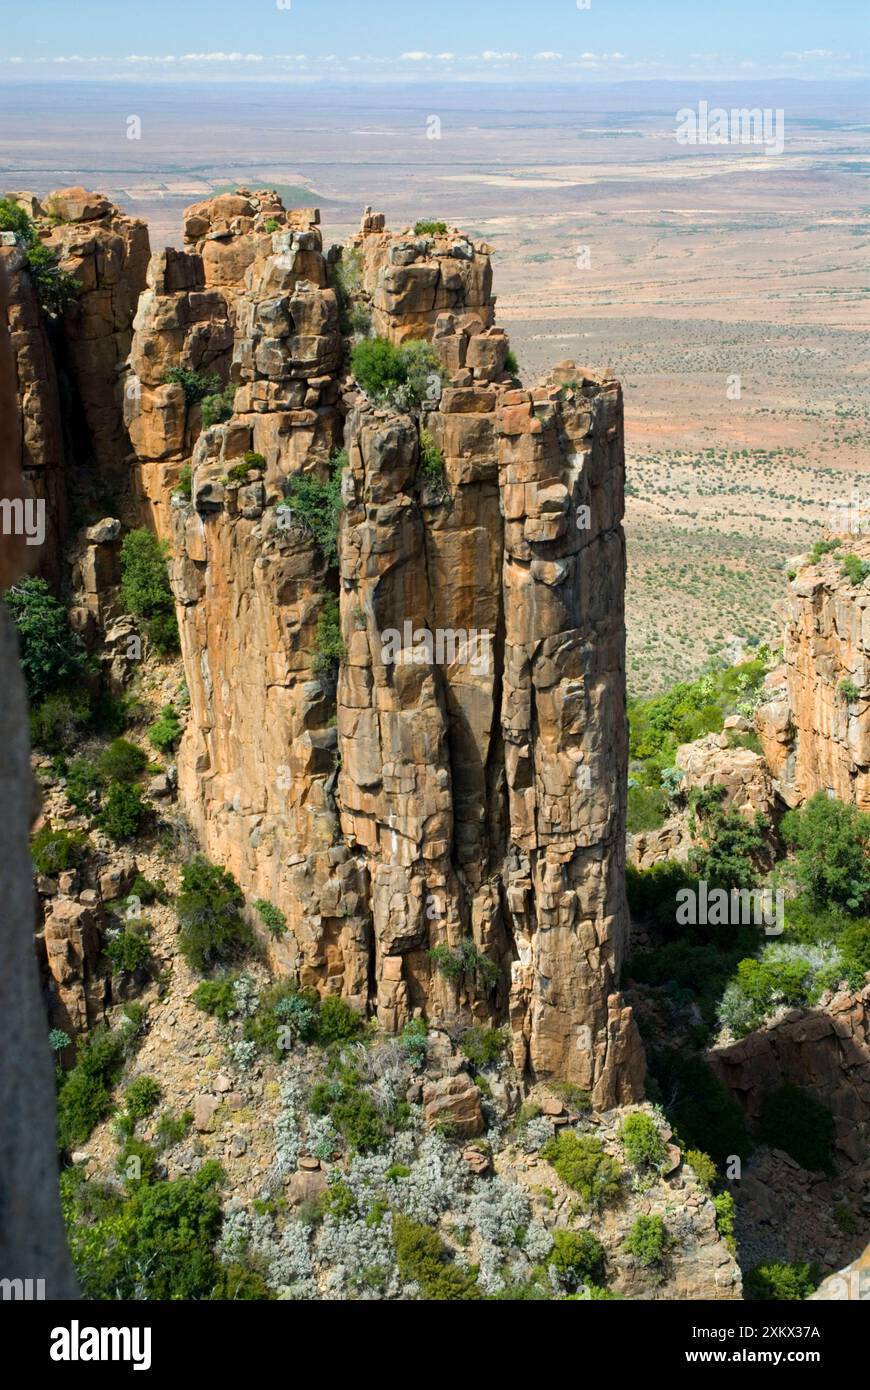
pixel 32 1240
pixel 467 795
pixel 410 281
pixel 186 319
pixel 826 1051
pixel 39 465
pixel 718 760
pixel 107 254
pixel 814 723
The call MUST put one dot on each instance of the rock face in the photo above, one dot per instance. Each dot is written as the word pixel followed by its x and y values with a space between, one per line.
pixel 107 253
pixel 411 281
pixel 463 787
pixel 815 724
pixel 32 1240
pixel 39 464
pixel 826 1051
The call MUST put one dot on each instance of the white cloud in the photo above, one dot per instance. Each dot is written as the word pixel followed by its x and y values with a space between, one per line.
pixel 547 57
pixel 415 57
pixel 492 55
pixel 446 57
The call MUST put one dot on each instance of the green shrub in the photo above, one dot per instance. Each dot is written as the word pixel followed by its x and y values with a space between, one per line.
pixel 648 1240
pixel 465 960
pixel 145 590
pixel 643 1145
pixel 171 1129
pixel 647 808
pixel 165 731
pixel 184 486
pixel 401 375
pixel 329 648
pixel 83 785
pixel 217 997
pixel 196 385
pixel 148 891
pixel 281 1007
pixel 854 947
pixel 123 812
pixel 337 1021
pixel 414 1039
pixel 511 363
pixel 704 1167
pixel 143 1167
pixel 793 1120
pixel 425 227
pixel 433 469
pixel 855 569
pixel 218 408
pixel 339 1201
pixel 56 289
pixel 483 1046
pixel 142 1097
pixel 731 850
pixel 821 548
pixel 272 917
pixel 58 1040
pixel 581 1162
pixel 56 851
pixel 128 952
pixel 212 929
pixel 782 1282
pixel 121 762
pixel 358 1121
pixel 831 841
pixel 58 721
pixel 317 504
pixel 848 691
pixel 726 1215
pixel 423 1259
pixel 155 1241
pixel 84 1094
pixel 577 1256
pixel 50 652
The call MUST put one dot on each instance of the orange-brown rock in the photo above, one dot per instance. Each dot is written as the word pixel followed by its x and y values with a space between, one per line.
pixel 107 254
pixel 825 1051
pixel 36 469
pixel 462 788
pixel 815 724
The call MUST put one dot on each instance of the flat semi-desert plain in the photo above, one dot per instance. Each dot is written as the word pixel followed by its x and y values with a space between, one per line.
pixel 726 286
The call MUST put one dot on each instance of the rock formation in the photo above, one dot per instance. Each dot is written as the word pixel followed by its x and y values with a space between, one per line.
pixel 815 724
pixel 826 1051
pixel 32 1241
pixel 40 452
pixel 106 252
pixel 472 800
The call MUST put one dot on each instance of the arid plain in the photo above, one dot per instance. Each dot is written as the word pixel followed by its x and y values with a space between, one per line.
pixel 727 287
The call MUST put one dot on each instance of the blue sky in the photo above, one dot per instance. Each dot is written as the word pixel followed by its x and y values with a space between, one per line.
pixel 401 40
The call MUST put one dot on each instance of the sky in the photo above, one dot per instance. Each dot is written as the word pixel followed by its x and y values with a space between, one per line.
pixel 454 40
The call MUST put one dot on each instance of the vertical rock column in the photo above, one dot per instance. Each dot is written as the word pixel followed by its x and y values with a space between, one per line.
pixel 562 479
pixel 257 763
